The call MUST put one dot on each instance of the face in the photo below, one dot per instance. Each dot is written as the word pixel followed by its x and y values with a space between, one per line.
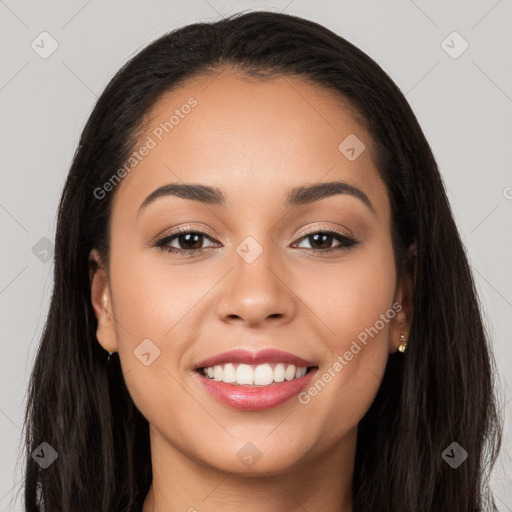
pixel 309 275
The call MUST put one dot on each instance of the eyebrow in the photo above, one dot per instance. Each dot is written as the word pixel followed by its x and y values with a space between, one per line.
pixel 298 196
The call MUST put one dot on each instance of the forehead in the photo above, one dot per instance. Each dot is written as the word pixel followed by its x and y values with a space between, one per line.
pixel 254 139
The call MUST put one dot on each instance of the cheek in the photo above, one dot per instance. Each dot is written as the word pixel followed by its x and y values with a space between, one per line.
pixel 152 308
pixel 349 297
pixel 354 303
pixel 152 297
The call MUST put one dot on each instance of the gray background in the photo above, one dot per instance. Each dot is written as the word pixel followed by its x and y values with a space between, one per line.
pixel 464 105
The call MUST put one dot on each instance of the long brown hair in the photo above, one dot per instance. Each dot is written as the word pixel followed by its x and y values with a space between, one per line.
pixel 439 392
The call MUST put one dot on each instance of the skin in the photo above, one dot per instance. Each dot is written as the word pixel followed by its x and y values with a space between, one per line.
pixel 254 140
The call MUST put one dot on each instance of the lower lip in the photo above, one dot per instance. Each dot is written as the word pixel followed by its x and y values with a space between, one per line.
pixel 255 398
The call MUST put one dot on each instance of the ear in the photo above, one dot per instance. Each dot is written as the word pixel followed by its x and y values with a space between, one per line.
pixel 100 298
pixel 401 323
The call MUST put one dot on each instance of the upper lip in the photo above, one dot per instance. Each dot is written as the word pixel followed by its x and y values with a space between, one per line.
pixel 239 355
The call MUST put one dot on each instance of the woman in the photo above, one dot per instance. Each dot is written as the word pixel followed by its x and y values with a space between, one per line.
pixel 261 299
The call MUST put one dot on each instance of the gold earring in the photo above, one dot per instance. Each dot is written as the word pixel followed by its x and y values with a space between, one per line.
pixel 403 343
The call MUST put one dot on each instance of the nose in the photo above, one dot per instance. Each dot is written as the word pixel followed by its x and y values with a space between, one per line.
pixel 257 293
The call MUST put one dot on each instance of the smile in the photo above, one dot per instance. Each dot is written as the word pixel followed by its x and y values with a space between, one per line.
pixel 245 380
pixel 254 375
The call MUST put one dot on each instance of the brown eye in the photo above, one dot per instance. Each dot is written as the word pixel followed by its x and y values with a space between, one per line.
pixel 321 241
pixel 189 241
pixel 184 242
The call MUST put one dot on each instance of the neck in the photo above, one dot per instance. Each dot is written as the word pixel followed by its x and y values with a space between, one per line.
pixel 182 483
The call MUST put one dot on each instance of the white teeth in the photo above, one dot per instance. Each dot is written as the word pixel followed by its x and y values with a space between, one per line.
pixel 244 374
pixel 263 375
pixel 254 375
pixel 300 372
pixel 289 374
pixel 229 373
pixel 279 372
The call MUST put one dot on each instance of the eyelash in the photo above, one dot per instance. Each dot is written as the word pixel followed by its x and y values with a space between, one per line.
pixel 345 241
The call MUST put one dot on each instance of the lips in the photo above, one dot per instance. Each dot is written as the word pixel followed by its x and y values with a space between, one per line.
pixel 257 397
pixel 245 356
